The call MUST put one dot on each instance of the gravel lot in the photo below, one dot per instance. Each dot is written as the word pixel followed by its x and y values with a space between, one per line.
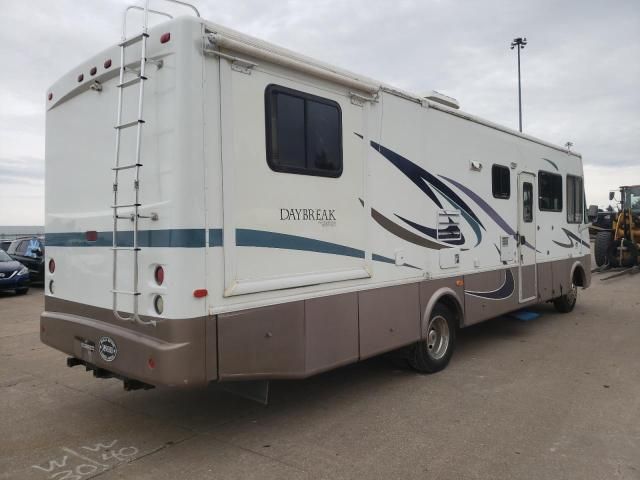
pixel 553 398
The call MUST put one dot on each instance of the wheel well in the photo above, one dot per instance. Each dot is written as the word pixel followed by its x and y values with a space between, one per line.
pixel 579 278
pixel 452 304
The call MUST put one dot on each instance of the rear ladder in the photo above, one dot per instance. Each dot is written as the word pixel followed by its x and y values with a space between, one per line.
pixel 138 79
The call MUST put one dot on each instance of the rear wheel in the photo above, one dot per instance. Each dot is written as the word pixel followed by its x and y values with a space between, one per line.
pixel 567 302
pixel 434 352
pixel 601 249
pixel 22 291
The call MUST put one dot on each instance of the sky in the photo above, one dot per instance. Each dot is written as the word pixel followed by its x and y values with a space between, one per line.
pixel 580 68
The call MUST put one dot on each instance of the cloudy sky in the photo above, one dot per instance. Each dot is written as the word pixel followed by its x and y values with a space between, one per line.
pixel 581 68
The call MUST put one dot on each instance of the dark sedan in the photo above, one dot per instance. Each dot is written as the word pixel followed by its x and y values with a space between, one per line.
pixel 13 275
pixel 30 252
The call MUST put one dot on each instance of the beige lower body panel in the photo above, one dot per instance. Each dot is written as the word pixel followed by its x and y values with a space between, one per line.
pixel 296 339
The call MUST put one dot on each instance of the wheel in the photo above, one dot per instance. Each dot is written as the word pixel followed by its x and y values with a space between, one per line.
pixel 434 352
pixel 566 302
pixel 22 291
pixel 603 241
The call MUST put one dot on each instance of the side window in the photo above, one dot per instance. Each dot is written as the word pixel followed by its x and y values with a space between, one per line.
pixel 21 248
pixel 527 202
pixel 501 181
pixel 575 196
pixel 549 192
pixel 304 133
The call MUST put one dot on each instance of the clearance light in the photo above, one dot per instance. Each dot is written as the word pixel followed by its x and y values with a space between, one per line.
pixel 158 304
pixel 158 274
pixel 81 77
pixel 165 37
pixel 91 235
pixel 107 63
pixel 52 265
pixel 93 71
pixel 459 283
pixel 201 292
pixel 152 363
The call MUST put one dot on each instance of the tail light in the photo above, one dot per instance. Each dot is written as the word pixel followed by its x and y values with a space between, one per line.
pixel 158 274
pixel 52 265
pixel 165 37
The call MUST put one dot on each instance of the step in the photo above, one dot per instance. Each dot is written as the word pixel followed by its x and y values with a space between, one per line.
pixel 126 167
pixel 133 81
pixel 125 292
pixel 127 249
pixel 134 39
pixel 124 205
pixel 129 124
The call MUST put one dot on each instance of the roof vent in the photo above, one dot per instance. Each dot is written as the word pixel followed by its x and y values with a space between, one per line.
pixel 443 99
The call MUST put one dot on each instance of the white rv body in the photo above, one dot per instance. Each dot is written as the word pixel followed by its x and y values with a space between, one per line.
pixel 302 273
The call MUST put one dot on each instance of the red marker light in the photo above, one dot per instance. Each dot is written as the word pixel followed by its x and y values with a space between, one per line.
pixel 93 71
pixel 152 363
pixel 91 235
pixel 165 37
pixel 81 77
pixel 158 274
pixel 107 63
pixel 52 265
pixel 201 292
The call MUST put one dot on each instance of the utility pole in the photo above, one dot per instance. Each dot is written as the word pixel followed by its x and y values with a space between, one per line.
pixel 519 43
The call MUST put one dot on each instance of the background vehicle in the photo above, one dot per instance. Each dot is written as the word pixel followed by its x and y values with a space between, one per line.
pixel 620 246
pixel 4 244
pixel 30 252
pixel 13 275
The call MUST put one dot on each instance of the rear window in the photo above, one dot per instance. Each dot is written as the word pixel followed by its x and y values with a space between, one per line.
pixel 304 133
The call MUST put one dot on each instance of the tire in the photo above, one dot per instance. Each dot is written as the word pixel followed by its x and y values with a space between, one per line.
pixel 603 242
pixel 434 352
pixel 22 291
pixel 567 302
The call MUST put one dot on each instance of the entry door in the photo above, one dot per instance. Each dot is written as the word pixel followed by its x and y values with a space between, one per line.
pixel 527 278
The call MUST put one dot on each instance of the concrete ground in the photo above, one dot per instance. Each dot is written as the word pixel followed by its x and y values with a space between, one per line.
pixel 553 398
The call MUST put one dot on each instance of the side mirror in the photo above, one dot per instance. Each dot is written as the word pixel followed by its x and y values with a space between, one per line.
pixel 592 213
pixel 612 195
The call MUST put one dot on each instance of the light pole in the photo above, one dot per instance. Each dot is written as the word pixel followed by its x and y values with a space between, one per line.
pixel 519 44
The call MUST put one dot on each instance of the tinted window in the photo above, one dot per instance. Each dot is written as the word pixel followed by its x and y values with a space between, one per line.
pixel 304 133
pixel 549 191
pixel 21 248
pixel 527 202
pixel 501 181
pixel 575 199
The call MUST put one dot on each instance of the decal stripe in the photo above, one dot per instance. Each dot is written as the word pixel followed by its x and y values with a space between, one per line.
pixel 176 238
pixel 403 233
pixel 572 236
pixel 261 238
pixel 553 164
pixel 433 233
pixel 501 293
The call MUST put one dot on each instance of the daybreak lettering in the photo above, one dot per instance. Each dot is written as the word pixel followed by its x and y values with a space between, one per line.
pixel 309 214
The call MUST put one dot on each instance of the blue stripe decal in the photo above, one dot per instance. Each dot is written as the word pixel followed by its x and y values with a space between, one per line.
pixel 181 237
pixel 215 237
pixel 261 238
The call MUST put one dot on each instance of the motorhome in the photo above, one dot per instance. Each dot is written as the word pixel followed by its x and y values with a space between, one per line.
pixel 221 209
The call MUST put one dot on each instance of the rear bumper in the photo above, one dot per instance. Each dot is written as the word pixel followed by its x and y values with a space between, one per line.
pixel 171 354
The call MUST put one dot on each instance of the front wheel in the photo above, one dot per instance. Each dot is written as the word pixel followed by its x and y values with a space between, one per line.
pixel 567 302
pixel 433 353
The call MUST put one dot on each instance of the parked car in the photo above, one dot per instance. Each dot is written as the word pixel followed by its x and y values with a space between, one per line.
pixel 30 252
pixel 13 275
pixel 4 244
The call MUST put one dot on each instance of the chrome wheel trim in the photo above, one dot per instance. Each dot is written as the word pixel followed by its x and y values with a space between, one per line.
pixel 438 337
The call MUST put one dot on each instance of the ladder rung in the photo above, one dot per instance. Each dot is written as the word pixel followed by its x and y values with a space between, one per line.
pixel 125 217
pixel 132 40
pixel 133 81
pixel 129 124
pixel 128 249
pixel 125 292
pixel 125 167
pixel 127 205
